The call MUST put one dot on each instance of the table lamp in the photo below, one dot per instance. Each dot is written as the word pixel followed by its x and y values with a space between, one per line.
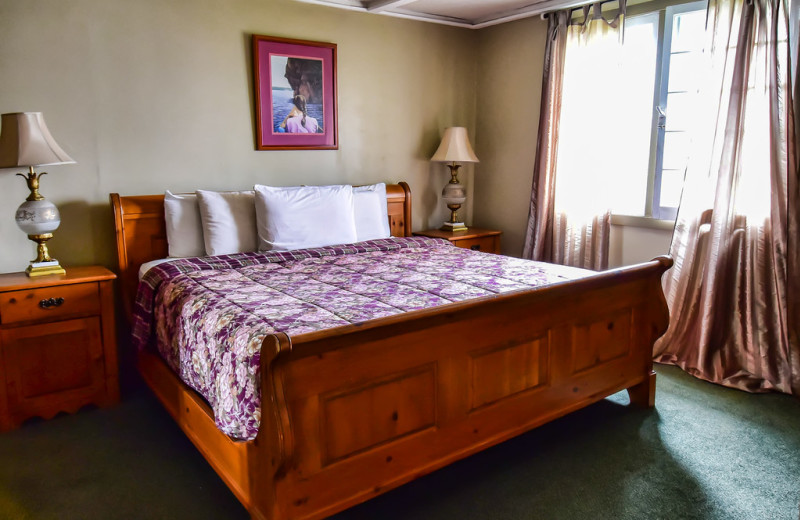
pixel 454 148
pixel 26 141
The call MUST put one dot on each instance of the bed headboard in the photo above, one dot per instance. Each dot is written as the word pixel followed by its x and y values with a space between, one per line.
pixel 141 232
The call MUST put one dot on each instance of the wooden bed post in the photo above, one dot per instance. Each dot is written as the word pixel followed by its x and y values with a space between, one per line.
pixel 275 436
pixel 644 394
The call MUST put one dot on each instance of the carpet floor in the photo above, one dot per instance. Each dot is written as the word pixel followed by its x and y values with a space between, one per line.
pixel 704 452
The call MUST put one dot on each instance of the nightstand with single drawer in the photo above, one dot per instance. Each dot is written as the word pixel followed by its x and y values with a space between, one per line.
pixel 58 348
pixel 477 239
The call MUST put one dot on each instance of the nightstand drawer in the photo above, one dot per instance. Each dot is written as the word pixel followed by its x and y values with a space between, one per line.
pixel 49 303
pixel 485 244
pixel 477 239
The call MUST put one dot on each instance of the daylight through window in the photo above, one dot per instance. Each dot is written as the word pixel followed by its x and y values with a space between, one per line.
pixel 661 91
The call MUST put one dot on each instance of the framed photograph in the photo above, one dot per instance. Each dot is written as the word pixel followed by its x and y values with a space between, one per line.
pixel 295 94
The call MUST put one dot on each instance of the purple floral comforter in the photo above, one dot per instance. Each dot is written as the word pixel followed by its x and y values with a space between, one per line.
pixel 210 315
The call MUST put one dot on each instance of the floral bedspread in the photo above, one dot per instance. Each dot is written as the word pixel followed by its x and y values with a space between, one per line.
pixel 210 315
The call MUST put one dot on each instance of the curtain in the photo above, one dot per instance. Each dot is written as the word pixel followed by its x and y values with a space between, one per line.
pixel 569 219
pixel 733 289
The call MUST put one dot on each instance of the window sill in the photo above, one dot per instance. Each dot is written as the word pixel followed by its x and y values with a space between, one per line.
pixel 642 222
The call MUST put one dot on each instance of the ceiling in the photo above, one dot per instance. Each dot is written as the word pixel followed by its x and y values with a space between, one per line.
pixel 473 14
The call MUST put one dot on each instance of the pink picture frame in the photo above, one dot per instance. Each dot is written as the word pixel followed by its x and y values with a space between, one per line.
pixel 295 94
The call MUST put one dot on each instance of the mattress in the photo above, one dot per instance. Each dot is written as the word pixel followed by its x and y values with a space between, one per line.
pixel 208 316
pixel 152 263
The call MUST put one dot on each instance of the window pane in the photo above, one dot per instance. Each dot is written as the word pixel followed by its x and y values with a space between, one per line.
pixel 688 31
pixel 676 150
pixel 684 69
pixel 671 185
pixel 680 110
pixel 631 121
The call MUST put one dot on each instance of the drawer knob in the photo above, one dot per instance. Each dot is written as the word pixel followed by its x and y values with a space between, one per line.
pixel 49 303
pixel 476 247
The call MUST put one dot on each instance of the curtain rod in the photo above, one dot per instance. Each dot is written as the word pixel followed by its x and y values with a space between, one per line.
pixel 576 8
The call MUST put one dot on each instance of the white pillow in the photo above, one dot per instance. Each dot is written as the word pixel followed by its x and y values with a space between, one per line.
pixel 229 221
pixel 300 217
pixel 184 230
pixel 371 214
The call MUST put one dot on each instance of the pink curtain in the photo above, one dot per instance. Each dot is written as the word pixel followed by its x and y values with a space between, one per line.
pixel 733 291
pixel 569 220
pixel 539 233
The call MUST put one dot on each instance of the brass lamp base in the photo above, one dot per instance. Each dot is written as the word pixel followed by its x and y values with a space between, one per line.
pixel 44 268
pixel 43 264
pixel 453 194
pixel 453 226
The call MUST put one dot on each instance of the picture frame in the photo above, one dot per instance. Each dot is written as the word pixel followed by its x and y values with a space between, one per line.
pixel 295 94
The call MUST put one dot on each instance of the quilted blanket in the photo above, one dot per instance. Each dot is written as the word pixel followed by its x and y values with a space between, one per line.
pixel 210 315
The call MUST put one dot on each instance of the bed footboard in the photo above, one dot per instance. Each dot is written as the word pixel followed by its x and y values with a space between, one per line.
pixel 352 412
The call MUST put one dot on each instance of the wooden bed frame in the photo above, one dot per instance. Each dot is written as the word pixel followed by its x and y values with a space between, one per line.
pixel 351 412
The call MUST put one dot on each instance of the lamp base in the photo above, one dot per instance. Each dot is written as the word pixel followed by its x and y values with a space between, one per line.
pixel 453 226
pixel 43 264
pixel 44 268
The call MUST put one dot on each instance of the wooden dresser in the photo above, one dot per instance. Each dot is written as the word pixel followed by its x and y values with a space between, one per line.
pixel 58 349
pixel 477 239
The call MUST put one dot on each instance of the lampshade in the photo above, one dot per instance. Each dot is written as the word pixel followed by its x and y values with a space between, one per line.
pixel 26 141
pixel 455 147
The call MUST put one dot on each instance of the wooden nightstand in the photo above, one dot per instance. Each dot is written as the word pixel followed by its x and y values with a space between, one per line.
pixel 58 348
pixel 477 239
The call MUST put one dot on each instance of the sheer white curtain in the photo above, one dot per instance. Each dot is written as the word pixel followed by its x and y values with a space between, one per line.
pixel 578 148
pixel 734 286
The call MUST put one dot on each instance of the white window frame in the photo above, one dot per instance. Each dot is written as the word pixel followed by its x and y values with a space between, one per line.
pixel 655 215
pixel 658 211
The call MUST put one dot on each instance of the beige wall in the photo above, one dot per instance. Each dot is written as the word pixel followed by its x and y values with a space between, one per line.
pixel 632 245
pixel 510 61
pixel 150 94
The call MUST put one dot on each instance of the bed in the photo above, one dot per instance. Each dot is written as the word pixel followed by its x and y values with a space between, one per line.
pixel 350 412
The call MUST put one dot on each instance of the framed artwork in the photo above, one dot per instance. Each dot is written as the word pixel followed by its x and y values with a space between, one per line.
pixel 295 94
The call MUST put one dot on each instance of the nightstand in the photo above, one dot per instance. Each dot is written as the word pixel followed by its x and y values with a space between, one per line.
pixel 477 239
pixel 58 349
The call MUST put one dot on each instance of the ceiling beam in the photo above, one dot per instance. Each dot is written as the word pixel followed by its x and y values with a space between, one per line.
pixel 539 8
pixel 392 8
pixel 376 6
pixel 428 17
pixel 356 5
pixel 350 5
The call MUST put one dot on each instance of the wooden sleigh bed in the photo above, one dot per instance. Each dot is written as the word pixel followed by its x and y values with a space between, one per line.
pixel 351 412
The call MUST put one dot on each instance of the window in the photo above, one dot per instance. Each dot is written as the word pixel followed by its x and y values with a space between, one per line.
pixel 660 73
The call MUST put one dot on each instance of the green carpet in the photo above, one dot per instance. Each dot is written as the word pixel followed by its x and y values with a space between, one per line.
pixel 705 452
